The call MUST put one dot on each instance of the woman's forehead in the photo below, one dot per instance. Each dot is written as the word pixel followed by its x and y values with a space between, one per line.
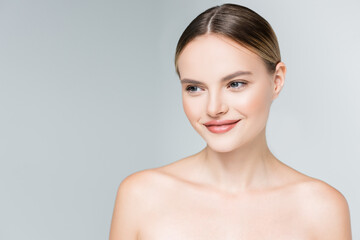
pixel 215 54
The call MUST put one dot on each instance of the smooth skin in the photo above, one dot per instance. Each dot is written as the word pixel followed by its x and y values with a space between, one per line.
pixel 234 188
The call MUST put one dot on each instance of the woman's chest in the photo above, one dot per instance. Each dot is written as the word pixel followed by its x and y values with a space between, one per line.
pixel 200 216
pixel 192 227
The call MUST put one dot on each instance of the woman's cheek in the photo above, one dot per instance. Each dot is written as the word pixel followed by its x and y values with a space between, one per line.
pixel 192 108
pixel 252 103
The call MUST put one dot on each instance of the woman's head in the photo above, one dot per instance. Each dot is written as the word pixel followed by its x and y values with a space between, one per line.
pixel 224 78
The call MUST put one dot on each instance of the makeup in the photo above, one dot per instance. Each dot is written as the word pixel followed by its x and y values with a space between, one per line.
pixel 221 126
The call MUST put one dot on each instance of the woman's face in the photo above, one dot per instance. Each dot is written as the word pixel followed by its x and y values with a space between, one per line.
pixel 221 80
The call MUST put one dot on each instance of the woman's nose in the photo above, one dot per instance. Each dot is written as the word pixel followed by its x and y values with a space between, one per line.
pixel 216 106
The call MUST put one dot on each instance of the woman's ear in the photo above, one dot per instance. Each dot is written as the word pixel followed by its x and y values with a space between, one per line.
pixel 278 79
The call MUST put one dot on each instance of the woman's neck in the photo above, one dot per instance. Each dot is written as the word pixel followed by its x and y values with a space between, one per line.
pixel 247 167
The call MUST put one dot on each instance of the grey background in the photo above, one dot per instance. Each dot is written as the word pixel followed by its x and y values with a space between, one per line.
pixel 89 95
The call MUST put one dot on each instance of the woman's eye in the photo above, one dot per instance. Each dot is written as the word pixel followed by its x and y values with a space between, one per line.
pixel 237 84
pixel 192 88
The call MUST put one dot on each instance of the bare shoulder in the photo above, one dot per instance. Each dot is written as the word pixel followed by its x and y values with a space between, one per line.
pixel 321 208
pixel 141 184
pixel 133 200
pixel 137 180
pixel 324 209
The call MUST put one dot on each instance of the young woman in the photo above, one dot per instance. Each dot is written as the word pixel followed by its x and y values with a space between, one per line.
pixel 229 66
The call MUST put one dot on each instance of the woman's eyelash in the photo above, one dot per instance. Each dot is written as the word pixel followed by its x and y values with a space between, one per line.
pixel 242 84
pixel 192 88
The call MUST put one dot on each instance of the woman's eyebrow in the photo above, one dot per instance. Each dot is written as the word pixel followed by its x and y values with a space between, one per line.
pixel 226 78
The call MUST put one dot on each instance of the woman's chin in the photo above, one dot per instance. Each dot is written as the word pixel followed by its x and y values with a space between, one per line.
pixel 221 147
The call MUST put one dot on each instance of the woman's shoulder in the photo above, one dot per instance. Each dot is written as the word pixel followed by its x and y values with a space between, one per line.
pixel 310 189
pixel 145 182
pixel 139 181
pixel 136 196
pixel 155 183
pixel 315 195
pixel 318 189
pixel 324 209
pixel 319 196
pixel 318 205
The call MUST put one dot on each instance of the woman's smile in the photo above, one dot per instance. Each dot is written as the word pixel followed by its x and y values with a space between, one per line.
pixel 222 126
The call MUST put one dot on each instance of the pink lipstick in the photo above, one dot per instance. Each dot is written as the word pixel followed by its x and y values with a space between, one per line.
pixel 221 126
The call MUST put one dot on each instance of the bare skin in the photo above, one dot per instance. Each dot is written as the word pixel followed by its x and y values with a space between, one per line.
pixel 173 202
pixel 234 188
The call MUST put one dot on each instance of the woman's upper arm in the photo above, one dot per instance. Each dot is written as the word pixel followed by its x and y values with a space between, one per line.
pixel 126 214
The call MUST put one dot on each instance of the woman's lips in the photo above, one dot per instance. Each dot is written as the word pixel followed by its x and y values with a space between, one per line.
pixel 221 126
